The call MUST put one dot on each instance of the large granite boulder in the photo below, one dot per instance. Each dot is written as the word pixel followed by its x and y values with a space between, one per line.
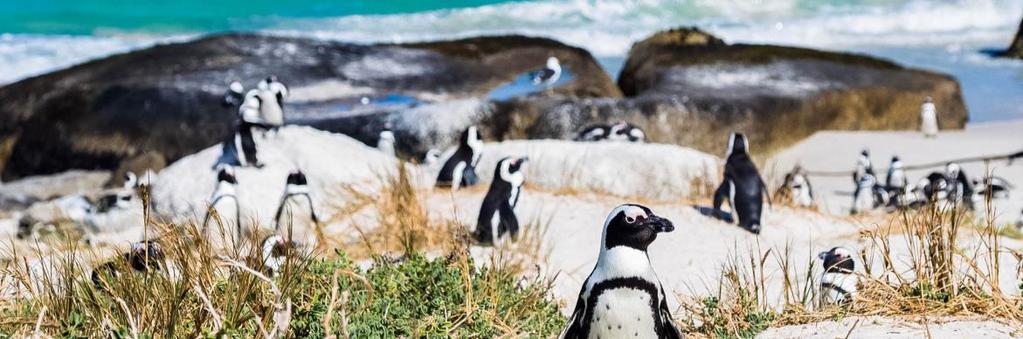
pixel 692 88
pixel 165 100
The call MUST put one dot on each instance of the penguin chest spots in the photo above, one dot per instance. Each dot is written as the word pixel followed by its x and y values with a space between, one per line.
pixel 623 313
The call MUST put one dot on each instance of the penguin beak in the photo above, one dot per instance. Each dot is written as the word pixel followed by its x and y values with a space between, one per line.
pixel 822 255
pixel 659 225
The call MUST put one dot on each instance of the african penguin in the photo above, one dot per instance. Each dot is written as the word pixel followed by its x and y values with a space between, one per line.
pixel 622 297
pixel 996 187
pixel 623 131
pixel 460 169
pixel 105 203
pixel 549 74
pixel 234 95
pixel 131 181
pixel 296 206
pixel 497 215
pixel 594 133
pixel 431 158
pixel 274 253
pixel 839 282
pixel 276 92
pixel 960 188
pixel 385 140
pixel 742 185
pixel 863 166
pixel 142 257
pixel 224 201
pixel 864 197
pixel 928 118
pixel 896 181
pixel 798 186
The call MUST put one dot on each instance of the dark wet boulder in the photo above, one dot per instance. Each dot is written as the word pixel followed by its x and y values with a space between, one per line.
pixel 706 88
pixel 166 99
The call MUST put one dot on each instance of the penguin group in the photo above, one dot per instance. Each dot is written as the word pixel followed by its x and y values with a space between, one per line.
pixel 497 219
pixel 950 187
pixel 620 131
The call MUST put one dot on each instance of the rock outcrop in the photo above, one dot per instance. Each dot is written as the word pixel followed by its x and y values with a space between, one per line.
pixel 165 100
pixel 1015 49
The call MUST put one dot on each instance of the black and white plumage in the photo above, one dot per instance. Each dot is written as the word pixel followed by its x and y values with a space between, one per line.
pixel 142 257
pixel 116 200
pixel 960 188
pixel 234 95
pixel 798 188
pixel 742 186
pixel 622 297
pixel 296 204
pixel 623 131
pixel 996 187
pixel 460 169
pixel 271 88
pixel 863 166
pixel 497 214
pixel 868 194
pixel 620 131
pixel 274 253
pixel 596 132
pixel 839 282
pixel 224 202
pixel 549 74
pixel 240 148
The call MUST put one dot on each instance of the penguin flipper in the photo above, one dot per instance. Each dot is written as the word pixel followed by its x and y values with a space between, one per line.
pixel 767 192
pixel 575 322
pixel 483 226
pixel 668 329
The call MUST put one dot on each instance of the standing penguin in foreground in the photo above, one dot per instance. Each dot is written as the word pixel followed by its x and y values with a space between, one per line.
pixel 296 202
pixel 929 118
pixel 497 215
pixel 224 201
pixel 838 283
pixel 460 169
pixel 742 185
pixel 622 297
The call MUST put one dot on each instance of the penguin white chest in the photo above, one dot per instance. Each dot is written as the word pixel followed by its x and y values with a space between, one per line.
pixel 623 313
pixel 296 210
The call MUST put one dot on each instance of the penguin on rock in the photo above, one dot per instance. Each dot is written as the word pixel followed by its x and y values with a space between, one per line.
pixel 460 169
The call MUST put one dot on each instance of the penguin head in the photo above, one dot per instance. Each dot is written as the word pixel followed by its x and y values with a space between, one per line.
pixel 131 181
pixel 296 177
pixel 226 175
pixel 145 255
pixel 896 162
pixel 553 63
pixel 865 153
pixel 236 87
pixel 737 144
pixel 275 251
pixel 952 170
pixel 633 226
pixel 928 100
pixel 387 133
pixel 510 170
pixel 838 260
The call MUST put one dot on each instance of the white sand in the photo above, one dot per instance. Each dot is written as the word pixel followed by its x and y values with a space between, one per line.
pixel 877 327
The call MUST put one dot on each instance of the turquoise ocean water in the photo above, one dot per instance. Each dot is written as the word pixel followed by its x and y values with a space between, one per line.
pixel 943 35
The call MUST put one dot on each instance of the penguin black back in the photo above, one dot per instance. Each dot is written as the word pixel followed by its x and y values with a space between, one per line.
pixel 742 184
pixel 460 169
pixel 497 214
